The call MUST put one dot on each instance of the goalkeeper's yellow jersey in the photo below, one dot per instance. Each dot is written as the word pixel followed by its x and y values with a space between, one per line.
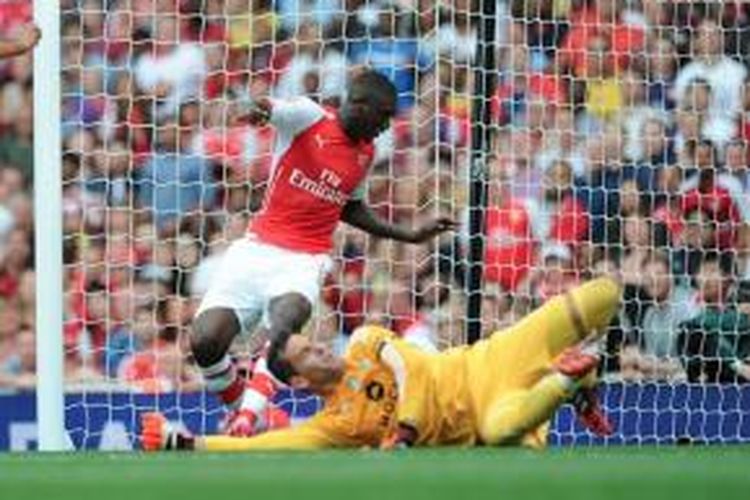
pixel 387 381
pixel 386 377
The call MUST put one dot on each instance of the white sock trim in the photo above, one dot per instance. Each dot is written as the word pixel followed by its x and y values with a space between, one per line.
pixel 253 400
pixel 223 365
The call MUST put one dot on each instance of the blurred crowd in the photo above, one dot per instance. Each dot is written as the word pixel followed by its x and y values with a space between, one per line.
pixel 620 133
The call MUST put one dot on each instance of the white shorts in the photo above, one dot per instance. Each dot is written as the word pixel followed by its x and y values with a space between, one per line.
pixel 252 273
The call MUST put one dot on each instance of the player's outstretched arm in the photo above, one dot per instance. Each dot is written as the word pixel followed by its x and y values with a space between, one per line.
pixel 356 213
pixel 26 40
pixel 157 434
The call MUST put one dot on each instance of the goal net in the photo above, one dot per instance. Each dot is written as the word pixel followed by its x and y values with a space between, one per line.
pixel 619 143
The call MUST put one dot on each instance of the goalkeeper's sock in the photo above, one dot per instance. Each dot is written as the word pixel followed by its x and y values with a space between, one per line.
pixel 223 379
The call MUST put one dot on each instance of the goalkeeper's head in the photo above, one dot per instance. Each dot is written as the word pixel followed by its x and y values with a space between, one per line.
pixel 303 364
pixel 369 106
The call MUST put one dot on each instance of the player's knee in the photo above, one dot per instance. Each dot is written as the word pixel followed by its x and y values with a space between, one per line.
pixel 290 312
pixel 212 333
pixel 500 427
pixel 495 433
pixel 598 301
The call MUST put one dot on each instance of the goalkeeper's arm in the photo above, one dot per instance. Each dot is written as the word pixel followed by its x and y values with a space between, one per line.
pixel 158 434
pixel 412 376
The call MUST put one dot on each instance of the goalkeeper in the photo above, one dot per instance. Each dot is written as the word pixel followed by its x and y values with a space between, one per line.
pixel 387 393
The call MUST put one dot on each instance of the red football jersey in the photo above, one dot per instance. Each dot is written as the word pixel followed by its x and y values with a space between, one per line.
pixel 317 169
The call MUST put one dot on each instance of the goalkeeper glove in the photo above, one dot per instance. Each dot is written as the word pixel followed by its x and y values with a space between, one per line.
pixel 158 434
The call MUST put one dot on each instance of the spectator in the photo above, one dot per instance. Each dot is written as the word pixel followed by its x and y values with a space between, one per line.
pixel 715 344
pixel 600 190
pixel 719 195
pixel 736 163
pixel 292 13
pixel 174 184
pixel 639 240
pixel 636 113
pixel 390 48
pixel 557 274
pixel 16 146
pixel 315 70
pixel 653 315
pixel 561 143
pixel 156 366
pixel 723 74
pixel 19 368
pixel 652 155
pixel 562 216
pixel 174 70
pixel 661 64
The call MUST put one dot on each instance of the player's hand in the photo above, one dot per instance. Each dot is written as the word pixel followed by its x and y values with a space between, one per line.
pixel 433 228
pixel 256 112
pixel 241 423
pixel 400 439
pixel 28 37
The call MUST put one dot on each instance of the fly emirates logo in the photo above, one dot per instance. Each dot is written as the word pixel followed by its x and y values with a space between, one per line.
pixel 325 187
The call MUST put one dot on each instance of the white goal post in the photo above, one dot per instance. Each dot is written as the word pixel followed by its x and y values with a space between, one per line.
pixel 48 229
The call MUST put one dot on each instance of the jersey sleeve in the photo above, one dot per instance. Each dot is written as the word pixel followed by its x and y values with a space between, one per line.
pixel 411 371
pixel 407 363
pixel 292 116
pixel 307 436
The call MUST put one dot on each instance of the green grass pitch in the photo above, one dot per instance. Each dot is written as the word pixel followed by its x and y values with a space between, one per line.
pixel 680 473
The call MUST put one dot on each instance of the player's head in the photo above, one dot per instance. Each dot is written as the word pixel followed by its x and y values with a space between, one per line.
pixel 369 105
pixel 304 364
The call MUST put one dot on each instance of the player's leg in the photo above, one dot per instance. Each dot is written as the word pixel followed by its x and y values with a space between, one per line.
pixel 292 291
pixel 213 332
pixel 287 314
pixel 231 306
pixel 288 292
pixel 571 317
pixel 518 356
pixel 521 416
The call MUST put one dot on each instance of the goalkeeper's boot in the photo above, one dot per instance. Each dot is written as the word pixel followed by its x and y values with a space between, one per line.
pixel 590 413
pixel 573 362
pixel 158 434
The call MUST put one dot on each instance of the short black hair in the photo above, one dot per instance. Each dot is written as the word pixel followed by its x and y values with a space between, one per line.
pixel 376 83
pixel 278 365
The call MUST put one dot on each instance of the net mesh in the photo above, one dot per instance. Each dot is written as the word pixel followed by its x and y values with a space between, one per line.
pixel 619 143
